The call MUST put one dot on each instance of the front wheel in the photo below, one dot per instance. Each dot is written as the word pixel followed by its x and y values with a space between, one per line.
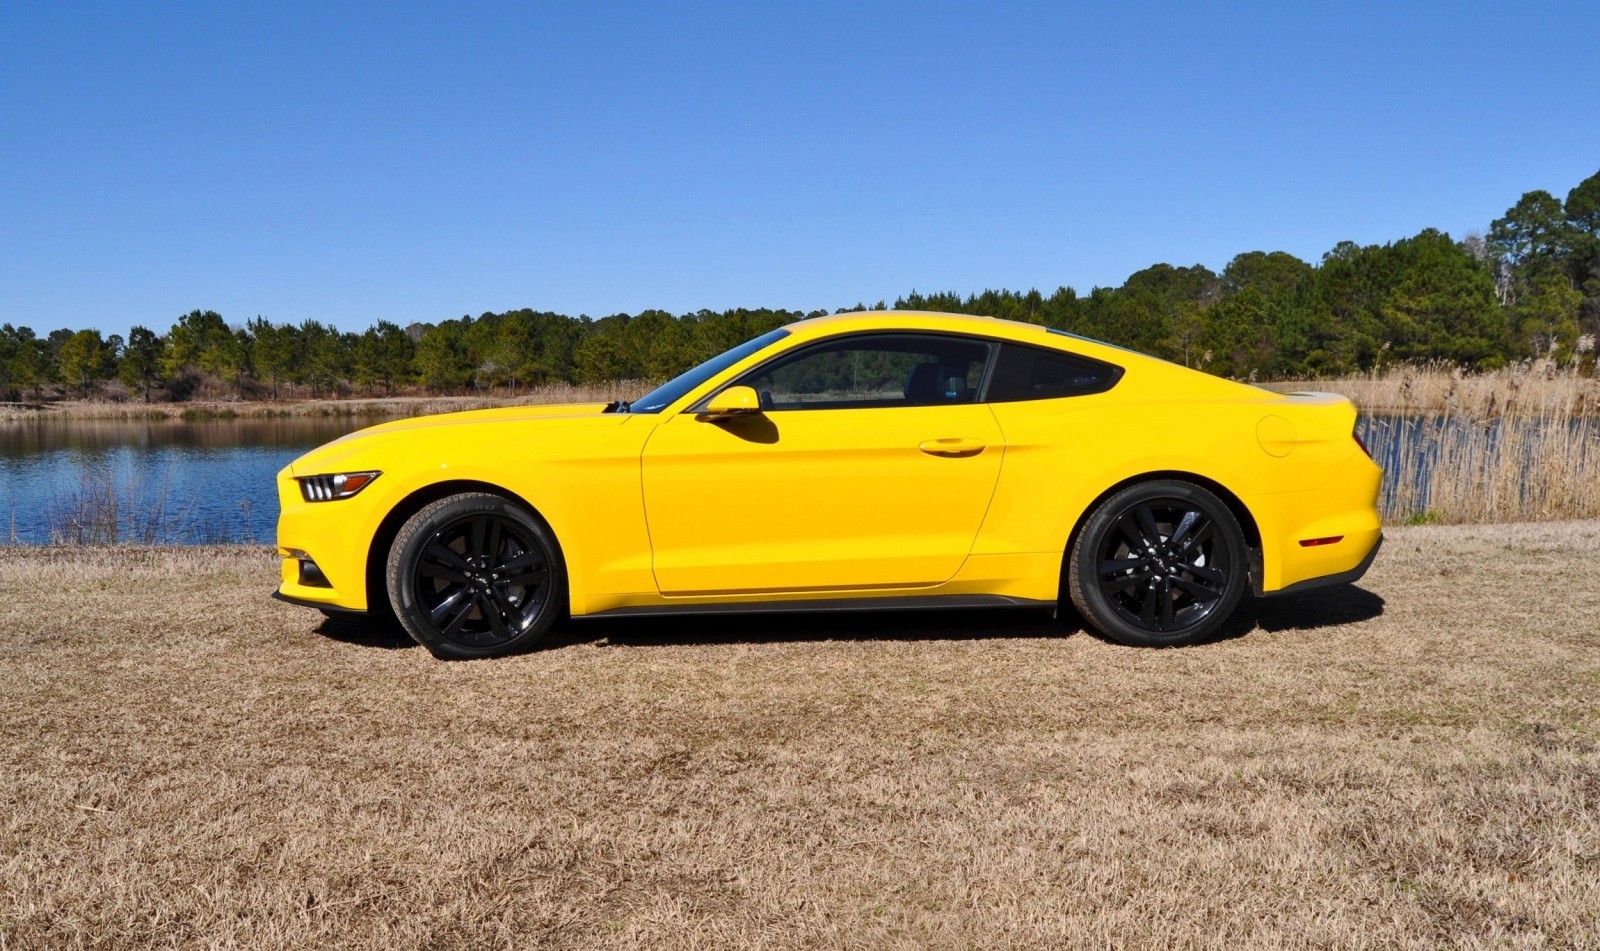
pixel 1160 564
pixel 474 575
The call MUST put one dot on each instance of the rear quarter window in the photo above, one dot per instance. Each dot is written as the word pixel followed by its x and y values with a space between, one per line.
pixel 1032 373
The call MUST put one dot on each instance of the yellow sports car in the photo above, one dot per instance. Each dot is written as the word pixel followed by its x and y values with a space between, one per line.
pixel 883 459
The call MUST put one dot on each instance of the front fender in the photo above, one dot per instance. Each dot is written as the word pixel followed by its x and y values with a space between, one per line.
pixel 581 474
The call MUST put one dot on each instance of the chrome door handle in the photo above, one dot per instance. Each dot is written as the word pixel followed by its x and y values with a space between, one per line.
pixel 952 448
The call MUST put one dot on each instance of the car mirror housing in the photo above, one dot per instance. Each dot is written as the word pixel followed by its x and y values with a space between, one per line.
pixel 731 402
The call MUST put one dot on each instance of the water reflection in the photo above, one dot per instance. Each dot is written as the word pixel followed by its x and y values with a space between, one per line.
pixel 47 435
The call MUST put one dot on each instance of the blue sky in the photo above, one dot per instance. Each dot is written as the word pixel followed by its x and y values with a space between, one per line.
pixel 350 162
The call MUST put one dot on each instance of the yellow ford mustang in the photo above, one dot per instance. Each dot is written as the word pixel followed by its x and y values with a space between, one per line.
pixel 884 459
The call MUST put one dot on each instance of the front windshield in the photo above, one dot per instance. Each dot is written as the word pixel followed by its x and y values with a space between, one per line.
pixel 671 391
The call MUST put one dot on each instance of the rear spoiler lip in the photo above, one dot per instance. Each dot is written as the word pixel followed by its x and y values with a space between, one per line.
pixel 1310 396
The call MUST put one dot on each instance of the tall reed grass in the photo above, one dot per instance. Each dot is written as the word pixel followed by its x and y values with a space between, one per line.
pixel 1521 443
pixel 1529 388
pixel 1460 469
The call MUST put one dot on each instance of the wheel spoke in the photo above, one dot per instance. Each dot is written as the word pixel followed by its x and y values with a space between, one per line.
pixel 1147 606
pixel 1200 591
pixel 1166 596
pixel 1147 522
pixel 493 551
pixel 451 602
pixel 1138 539
pixel 517 614
pixel 477 528
pixel 1118 566
pixel 460 603
pixel 490 609
pixel 1198 536
pixel 1126 582
pixel 1204 573
pixel 444 554
pixel 1185 525
pixel 433 569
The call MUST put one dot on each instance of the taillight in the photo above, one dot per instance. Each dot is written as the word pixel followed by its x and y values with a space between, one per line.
pixel 1356 434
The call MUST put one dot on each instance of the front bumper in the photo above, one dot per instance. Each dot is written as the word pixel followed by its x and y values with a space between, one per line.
pixel 319 605
pixel 334 536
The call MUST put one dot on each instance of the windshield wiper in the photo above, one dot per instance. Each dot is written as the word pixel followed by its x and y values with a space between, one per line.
pixel 617 406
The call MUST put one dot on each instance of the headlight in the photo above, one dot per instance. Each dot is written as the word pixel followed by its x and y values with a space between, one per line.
pixel 329 488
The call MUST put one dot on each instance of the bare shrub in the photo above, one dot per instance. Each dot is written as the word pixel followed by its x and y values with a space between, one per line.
pixel 104 509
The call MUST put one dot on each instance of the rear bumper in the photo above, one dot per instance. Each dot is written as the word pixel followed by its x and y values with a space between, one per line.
pixel 1344 508
pixel 1326 581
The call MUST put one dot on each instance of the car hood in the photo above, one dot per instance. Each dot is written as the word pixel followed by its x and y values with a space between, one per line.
pixel 503 414
pixel 363 444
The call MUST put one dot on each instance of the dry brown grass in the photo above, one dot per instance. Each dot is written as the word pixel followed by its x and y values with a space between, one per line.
pixel 1411 763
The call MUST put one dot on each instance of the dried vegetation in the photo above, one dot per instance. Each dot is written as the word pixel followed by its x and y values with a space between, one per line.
pixel 1411 763
pixel 1515 444
pixel 1539 389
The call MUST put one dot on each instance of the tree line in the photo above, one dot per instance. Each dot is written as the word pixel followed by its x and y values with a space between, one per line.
pixel 1528 288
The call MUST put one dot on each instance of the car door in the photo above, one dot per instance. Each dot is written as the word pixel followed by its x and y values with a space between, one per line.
pixel 870 465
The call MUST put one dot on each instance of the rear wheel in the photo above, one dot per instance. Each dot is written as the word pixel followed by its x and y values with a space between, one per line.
pixel 474 575
pixel 1159 564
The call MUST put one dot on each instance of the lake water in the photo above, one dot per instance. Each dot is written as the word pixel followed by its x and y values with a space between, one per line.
pixel 157 482
pixel 175 482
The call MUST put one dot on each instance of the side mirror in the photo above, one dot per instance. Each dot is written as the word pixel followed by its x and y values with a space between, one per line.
pixel 731 402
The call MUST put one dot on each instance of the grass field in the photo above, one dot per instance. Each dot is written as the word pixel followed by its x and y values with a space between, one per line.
pixel 1414 762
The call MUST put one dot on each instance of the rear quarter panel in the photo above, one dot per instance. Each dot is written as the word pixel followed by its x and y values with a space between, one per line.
pixel 1063 454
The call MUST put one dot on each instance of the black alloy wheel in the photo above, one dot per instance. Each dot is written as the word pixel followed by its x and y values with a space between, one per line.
pixel 1159 564
pixel 474 575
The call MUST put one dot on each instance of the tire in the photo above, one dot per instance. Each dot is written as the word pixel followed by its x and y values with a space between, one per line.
pixel 474 575
pixel 1159 564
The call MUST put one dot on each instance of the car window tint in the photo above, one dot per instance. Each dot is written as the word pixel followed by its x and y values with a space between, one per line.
pixel 874 370
pixel 1031 373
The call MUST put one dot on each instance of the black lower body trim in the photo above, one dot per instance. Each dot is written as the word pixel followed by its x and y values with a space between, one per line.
pixel 319 605
pixel 1328 581
pixel 829 605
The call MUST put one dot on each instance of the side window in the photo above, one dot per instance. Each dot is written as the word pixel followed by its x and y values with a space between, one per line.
pixel 873 370
pixel 1033 373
